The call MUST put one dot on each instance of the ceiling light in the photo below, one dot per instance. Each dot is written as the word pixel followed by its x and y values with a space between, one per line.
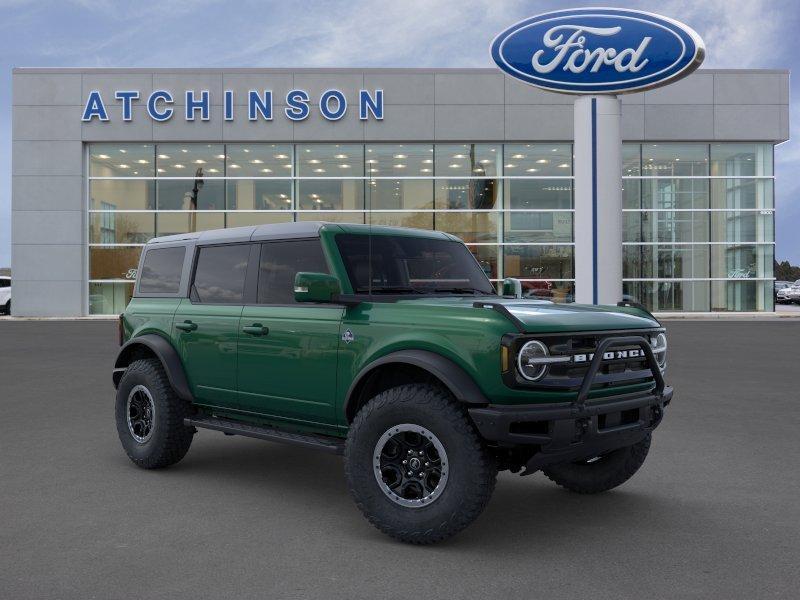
pixel 517 156
pixel 344 166
pixel 399 166
pixel 563 166
pixel 459 156
pixel 510 166
pixel 184 150
pixel 163 156
pixel 340 156
pixel 454 166
pixel 123 150
pixel 313 161
pixel 161 170
pixel 257 161
pixel 217 156
pixel 319 170
pixel 245 150
pixel 124 166
pixel 427 161
pixel 199 161
pixel 371 161
pixel 281 156
pixel 542 161
pixel 103 156
pixel 179 166
pixel 213 170
pixel 425 170
pixel 287 166
pixel 532 170
pixel 400 156
pixel 234 166
pixel 266 170
pixel 485 161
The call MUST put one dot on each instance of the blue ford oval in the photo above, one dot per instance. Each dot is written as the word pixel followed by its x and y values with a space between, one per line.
pixel 598 50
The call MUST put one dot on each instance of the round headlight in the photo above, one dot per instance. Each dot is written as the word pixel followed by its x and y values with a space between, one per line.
pixel 527 364
pixel 659 344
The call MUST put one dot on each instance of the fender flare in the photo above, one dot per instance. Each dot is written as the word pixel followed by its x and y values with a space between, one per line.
pixel 165 352
pixel 456 379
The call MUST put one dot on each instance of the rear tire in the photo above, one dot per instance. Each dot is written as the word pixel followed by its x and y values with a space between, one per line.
pixel 150 416
pixel 602 473
pixel 454 477
pixel 7 309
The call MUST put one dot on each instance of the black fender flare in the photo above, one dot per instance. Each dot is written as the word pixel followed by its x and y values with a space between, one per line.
pixel 165 352
pixel 456 379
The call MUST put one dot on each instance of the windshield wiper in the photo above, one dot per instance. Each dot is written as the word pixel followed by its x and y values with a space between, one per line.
pixel 390 289
pixel 464 290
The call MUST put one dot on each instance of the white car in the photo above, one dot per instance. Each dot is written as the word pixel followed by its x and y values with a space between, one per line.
pixel 790 294
pixel 5 294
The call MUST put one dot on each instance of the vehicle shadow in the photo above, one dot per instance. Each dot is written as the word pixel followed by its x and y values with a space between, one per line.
pixel 524 511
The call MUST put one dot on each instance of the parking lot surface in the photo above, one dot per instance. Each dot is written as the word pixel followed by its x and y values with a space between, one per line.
pixel 714 512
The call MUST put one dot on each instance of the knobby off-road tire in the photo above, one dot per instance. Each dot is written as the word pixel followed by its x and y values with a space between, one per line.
pixel 603 473
pixel 143 391
pixel 467 473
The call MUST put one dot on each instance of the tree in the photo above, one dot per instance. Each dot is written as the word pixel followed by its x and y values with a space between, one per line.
pixel 786 272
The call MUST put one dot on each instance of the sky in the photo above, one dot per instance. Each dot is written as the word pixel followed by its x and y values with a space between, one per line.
pixel 408 33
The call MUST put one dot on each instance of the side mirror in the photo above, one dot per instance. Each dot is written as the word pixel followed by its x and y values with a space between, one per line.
pixel 316 287
pixel 512 287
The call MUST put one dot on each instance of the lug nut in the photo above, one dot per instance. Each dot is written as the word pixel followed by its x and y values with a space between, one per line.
pixel 405 461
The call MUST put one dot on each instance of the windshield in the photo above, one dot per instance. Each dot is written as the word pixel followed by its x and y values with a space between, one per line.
pixel 410 265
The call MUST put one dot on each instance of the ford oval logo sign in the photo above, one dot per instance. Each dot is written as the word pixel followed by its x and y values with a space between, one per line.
pixel 598 50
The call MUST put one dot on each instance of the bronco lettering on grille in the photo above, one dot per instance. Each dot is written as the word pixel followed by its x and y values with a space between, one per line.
pixel 611 355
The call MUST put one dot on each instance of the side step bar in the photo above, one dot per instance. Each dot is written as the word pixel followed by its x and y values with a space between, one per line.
pixel 228 426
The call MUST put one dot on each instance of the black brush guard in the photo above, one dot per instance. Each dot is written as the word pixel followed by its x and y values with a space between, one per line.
pixel 582 429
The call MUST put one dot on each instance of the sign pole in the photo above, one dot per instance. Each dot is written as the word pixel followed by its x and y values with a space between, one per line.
pixel 598 200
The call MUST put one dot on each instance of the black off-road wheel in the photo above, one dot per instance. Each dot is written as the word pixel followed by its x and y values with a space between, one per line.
pixel 150 416
pixel 600 473
pixel 415 465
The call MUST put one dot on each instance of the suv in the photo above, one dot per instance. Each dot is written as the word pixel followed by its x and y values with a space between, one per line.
pixel 389 346
pixel 5 294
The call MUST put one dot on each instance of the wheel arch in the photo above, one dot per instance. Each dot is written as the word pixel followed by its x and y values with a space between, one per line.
pixel 151 345
pixel 410 365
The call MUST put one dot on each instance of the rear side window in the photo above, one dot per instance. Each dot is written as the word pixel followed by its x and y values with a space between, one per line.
pixel 4 283
pixel 161 272
pixel 280 262
pixel 220 274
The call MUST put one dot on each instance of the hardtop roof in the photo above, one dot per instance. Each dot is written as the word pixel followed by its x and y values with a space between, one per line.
pixel 298 229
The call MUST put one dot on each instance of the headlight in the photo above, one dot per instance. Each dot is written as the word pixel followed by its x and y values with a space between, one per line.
pixel 659 345
pixel 531 360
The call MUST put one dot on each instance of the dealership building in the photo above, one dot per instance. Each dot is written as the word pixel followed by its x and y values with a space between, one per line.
pixel 105 159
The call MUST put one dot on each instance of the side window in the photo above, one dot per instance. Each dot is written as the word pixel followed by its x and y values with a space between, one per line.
pixel 161 272
pixel 220 274
pixel 280 262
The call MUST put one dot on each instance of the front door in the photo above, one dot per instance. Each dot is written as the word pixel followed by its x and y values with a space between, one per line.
pixel 288 351
pixel 207 323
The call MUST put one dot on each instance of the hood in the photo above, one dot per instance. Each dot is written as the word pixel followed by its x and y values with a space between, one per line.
pixel 539 316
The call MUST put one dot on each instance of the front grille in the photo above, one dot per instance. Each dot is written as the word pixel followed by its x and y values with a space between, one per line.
pixel 629 365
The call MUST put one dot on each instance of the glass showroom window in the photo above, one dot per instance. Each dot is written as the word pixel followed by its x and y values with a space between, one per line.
pixel 322 193
pixel 261 179
pixel 698 219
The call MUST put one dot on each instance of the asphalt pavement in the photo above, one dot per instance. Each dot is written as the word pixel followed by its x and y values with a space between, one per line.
pixel 713 513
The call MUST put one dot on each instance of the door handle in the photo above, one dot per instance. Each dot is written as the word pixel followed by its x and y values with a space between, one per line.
pixel 186 326
pixel 256 329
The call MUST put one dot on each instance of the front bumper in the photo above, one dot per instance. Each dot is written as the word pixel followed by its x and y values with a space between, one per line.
pixel 566 432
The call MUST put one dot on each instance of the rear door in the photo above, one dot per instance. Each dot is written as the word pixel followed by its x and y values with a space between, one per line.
pixel 288 350
pixel 207 323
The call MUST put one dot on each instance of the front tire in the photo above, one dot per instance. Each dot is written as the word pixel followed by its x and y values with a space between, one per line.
pixel 447 477
pixel 150 416
pixel 602 473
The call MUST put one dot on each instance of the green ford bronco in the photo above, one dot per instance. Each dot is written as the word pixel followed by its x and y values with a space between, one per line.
pixel 389 346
